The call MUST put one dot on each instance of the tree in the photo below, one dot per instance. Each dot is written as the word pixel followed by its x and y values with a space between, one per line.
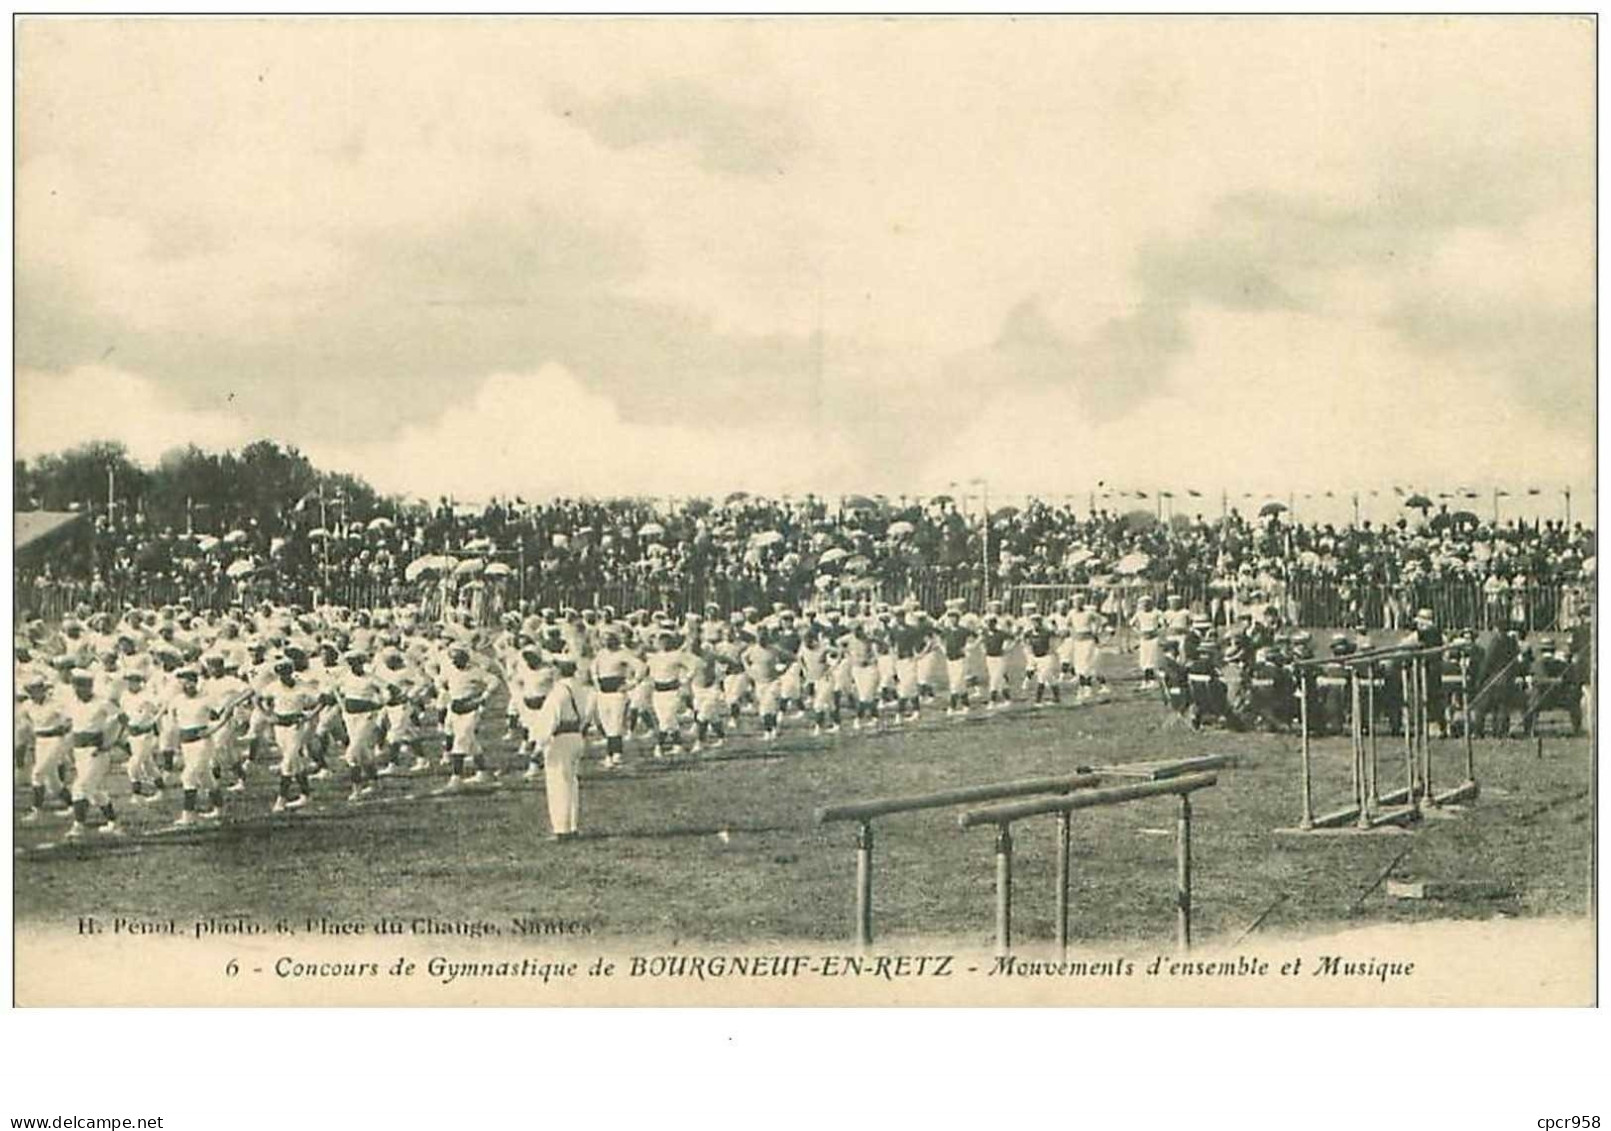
pixel 189 483
pixel 269 481
pixel 80 476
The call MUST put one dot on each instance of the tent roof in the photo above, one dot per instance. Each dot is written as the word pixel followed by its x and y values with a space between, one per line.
pixel 31 527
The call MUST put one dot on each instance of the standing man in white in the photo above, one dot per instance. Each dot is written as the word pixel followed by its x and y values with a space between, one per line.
pixel 558 730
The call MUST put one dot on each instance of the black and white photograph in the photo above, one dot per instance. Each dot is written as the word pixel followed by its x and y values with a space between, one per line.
pixel 835 511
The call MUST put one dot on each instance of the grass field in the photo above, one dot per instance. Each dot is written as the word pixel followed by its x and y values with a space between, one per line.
pixel 651 863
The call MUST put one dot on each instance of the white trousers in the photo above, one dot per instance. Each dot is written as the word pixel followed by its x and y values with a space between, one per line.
pixel 142 765
pixel 1085 657
pixel 560 782
pixel 49 755
pixel 363 735
pixel 665 705
pixel 90 764
pixel 612 713
pixel 996 668
pixel 197 769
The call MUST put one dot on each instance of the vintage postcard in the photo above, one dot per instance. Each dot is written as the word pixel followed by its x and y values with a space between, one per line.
pixel 822 511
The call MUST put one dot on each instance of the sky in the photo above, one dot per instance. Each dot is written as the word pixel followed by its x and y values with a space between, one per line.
pixel 546 257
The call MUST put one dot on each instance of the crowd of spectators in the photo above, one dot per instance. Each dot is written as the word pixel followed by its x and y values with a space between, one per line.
pixel 787 549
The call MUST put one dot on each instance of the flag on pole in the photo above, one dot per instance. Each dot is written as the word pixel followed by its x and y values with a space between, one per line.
pixel 1193 493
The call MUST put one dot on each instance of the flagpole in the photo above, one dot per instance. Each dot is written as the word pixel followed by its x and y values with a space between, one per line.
pixel 324 547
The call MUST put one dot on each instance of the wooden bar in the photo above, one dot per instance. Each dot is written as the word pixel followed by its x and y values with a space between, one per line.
pixel 1157 771
pixel 1088 799
pixel 1466 791
pixel 1348 814
pixel 879 807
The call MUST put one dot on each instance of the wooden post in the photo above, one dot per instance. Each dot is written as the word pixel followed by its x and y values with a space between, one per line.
pixel 1374 763
pixel 1183 874
pixel 864 885
pixel 1063 822
pixel 1356 734
pixel 1407 693
pixel 1307 819
pixel 1424 730
pixel 1003 889
pixel 1465 713
pixel 521 589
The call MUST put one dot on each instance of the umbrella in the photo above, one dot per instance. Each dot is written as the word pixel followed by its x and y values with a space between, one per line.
pixel 1004 512
pixel 561 541
pixel 859 503
pixel 857 563
pixel 737 497
pixel 1272 508
pixel 1419 502
pixel 834 555
pixel 1466 516
pixel 419 567
pixel 469 567
pixel 765 538
pixel 206 543
pixel 499 569
pixel 235 537
pixel 942 500
pixel 1133 563
pixel 239 568
pixel 899 529
pixel 382 523
pixel 1078 556
pixel 479 546
pixel 651 530
pixel 276 546
pixel 318 532
pixel 824 581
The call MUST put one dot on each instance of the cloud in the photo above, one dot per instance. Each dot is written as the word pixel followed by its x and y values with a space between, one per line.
pixel 545 433
pixel 60 410
pixel 1274 401
pixel 339 229
pixel 725 135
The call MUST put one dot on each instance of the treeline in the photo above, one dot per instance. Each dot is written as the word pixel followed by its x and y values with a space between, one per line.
pixel 263 485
